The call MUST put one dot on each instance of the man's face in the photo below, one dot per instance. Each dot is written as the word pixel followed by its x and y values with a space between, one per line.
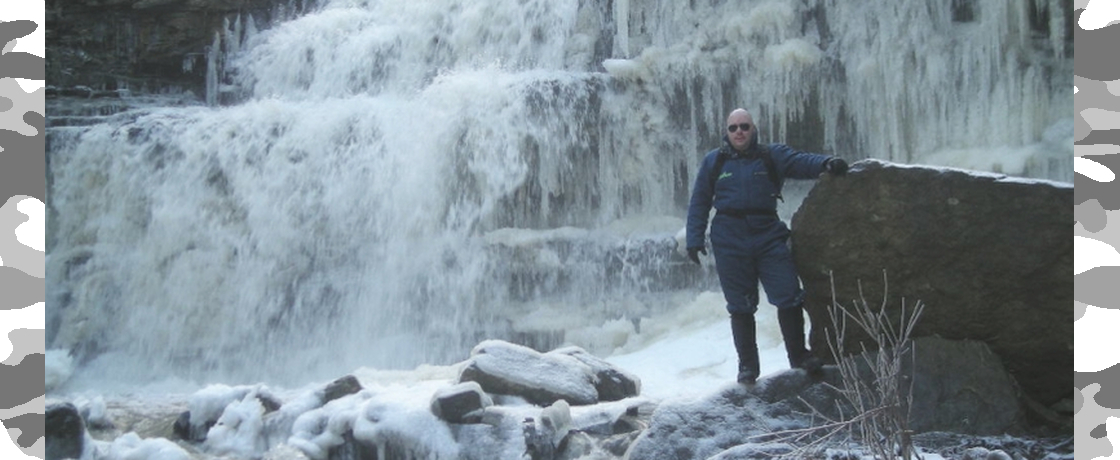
pixel 740 138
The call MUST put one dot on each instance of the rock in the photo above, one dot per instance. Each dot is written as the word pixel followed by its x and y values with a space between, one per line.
pixel 557 419
pixel 609 423
pixel 269 402
pixel 461 403
pixel 182 427
pixel 343 386
pixel 989 256
pixel 538 445
pixel 628 424
pixel 734 416
pixel 237 433
pixel 612 383
pixel 207 405
pixel 147 46
pixel 958 386
pixel 95 414
pixel 792 384
pixel 548 438
pixel 962 387
pixel 65 431
pixel 576 445
pixel 618 444
pixel 508 369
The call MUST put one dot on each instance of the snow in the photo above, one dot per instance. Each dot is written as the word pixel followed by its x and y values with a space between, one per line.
pixel 131 447
pixel 977 172
pixel 59 368
pixel 239 429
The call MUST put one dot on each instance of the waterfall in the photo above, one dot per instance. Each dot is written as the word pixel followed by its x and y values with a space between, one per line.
pixel 388 182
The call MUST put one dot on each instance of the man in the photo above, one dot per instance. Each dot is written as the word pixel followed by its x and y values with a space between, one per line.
pixel 743 181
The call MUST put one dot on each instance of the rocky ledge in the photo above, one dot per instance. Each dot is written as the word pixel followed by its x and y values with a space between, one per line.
pixel 148 46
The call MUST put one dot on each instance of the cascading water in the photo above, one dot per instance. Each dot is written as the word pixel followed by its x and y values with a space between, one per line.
pixel 392 181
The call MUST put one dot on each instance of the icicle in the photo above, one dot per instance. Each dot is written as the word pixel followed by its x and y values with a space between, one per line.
pixel 213 70
pixel 622 24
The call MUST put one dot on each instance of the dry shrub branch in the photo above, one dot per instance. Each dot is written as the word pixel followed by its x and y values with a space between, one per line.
pixel 875 396
pixel 872 381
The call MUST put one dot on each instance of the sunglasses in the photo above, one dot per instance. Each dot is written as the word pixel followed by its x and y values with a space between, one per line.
pixel 742 126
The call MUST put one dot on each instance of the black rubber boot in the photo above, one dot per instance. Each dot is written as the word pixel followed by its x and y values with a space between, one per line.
pixel 792 322
pixel 743 333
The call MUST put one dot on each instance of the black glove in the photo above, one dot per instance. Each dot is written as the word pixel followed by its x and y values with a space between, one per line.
pixel 836 166
pixel 692 254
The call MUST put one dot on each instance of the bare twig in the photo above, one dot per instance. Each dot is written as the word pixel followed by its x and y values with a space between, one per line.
pixel 871 383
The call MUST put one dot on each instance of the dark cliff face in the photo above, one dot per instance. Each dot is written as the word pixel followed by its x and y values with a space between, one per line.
pixel 145 46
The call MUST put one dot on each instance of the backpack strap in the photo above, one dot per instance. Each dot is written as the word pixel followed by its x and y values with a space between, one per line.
pixel 717 168
pixel 771 170
pixel 767 159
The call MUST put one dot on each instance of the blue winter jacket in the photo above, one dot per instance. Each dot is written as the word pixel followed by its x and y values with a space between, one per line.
pixel 744 185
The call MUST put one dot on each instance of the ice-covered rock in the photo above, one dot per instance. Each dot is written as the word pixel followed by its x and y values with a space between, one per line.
pixel 541 378
pixel 570 374
pixel 239 430
pixel 611 382
pixel 207 405
pixel 461 403
pixel 544 438
pixel 357 425
pixel 346 385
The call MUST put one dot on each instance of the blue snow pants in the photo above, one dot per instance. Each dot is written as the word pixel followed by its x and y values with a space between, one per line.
pixel 750 249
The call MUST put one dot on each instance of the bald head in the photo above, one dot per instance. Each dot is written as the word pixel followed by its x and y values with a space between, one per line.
pixel 741 130
pixel 740 112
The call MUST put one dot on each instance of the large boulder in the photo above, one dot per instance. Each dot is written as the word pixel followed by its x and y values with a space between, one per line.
pixel 989 256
